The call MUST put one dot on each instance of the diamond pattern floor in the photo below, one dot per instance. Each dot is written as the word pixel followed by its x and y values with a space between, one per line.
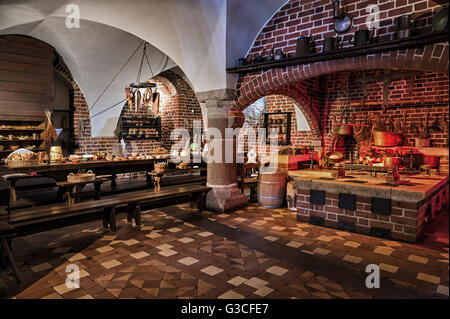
pixel 251 253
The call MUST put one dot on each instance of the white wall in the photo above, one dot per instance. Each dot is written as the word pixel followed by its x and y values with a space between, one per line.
pixel 199 36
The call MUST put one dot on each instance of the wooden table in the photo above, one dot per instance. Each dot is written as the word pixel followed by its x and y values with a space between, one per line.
pixel 60 171
pixel 72 189
pixel 157 175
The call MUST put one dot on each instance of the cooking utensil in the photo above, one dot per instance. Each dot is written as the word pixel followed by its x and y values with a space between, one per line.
pixel 432 161
pixel 242 61
pixel 403 33
pixel 342 21
pixel 405 22
pixel 305 45
pixel 334 157
pixel 362 37
pixel 279 55
pixel 330 44
pixel 392 161
pixel 257 59
pixel 345 130
pixel 440 20
pixel 387 138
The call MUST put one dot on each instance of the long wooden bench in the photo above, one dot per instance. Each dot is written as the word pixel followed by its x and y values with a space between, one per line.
pixel 41 215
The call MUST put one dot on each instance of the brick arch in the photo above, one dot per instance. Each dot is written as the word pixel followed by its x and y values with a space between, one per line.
pixel 188 106
pixel 433 57
pixel 303 101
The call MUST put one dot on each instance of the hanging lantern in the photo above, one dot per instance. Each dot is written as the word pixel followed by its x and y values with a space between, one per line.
pixel 141 93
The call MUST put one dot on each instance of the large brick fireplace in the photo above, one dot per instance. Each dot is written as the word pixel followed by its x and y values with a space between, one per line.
pixel 323 90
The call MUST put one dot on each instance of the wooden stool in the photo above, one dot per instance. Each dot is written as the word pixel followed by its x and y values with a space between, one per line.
pixel 6 232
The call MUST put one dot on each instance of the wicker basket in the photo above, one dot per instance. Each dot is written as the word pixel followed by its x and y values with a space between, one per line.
pixel 81 178
pixel 160 168
pixel 23 163
pixel 183 166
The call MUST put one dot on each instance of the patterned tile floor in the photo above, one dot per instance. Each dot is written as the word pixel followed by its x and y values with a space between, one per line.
pixel 251 253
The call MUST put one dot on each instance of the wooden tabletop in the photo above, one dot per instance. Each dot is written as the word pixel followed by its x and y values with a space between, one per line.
pixel 177 171
pixel 60 171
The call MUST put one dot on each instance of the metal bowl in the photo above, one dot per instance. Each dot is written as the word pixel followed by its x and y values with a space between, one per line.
pixel 337 157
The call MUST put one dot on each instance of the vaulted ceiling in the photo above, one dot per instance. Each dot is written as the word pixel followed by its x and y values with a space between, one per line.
pixel 200 37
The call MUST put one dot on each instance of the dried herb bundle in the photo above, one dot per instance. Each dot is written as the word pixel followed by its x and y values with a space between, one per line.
pixel 49 134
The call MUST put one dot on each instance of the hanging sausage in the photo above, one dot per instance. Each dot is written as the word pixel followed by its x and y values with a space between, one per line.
pixel 137 100
pixel 155 103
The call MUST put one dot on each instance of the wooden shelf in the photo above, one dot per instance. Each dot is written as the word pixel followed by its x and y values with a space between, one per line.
pixel 153 124
pixel 11 123
pixel 10 151
pixel 17 141
pixel 21 129
pixel 142 138
pixel 399 44
pixel 139 126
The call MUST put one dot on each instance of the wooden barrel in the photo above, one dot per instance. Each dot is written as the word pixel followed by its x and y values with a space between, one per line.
pixel 272 189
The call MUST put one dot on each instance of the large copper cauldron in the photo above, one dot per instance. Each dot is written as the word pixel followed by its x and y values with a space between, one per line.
pixel 387 138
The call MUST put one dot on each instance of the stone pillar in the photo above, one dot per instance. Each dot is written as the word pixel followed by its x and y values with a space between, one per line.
pixel 225 195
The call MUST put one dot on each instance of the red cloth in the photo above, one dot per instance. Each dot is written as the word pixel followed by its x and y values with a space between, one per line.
pixel 294 159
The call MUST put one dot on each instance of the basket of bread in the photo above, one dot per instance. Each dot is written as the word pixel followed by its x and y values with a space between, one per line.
pixel 161 153
pixel 183 166
pixel 81 177
pixel 22 158
pixel 160 167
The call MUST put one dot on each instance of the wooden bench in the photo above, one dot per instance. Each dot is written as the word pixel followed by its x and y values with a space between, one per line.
pixel 34 219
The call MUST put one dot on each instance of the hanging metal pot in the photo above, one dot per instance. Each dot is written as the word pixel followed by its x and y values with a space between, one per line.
pixel 342 21
pixel 345 130
pixel 440 20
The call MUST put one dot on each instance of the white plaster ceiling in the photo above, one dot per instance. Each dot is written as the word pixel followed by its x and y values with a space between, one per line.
pixel 201 37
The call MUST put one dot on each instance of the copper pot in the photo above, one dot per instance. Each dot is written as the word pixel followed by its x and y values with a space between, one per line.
pixel 432 161
pixel 392 161
pixel 387 138
pixel 345 130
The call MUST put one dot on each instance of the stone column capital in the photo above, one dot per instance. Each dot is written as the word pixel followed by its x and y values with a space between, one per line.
pixel 217 95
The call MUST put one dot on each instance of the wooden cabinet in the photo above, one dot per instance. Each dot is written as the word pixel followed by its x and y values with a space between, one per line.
pixel 140 128
pixel 279 124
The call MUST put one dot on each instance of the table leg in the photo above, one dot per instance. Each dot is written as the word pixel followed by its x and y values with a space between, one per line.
pixel 11 259
pixel 113 181
pixel 157 180
pixel 149 179
pixel 97 187
pixel 137 215
pixel 13 196
pixel 112 218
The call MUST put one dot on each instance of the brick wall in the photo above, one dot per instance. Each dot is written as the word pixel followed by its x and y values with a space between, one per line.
pixel 427 92
pixel 315 17
pixel 405 222
pixel 281 103
pixel 178 106
pixel 415 96
pixel 303 17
